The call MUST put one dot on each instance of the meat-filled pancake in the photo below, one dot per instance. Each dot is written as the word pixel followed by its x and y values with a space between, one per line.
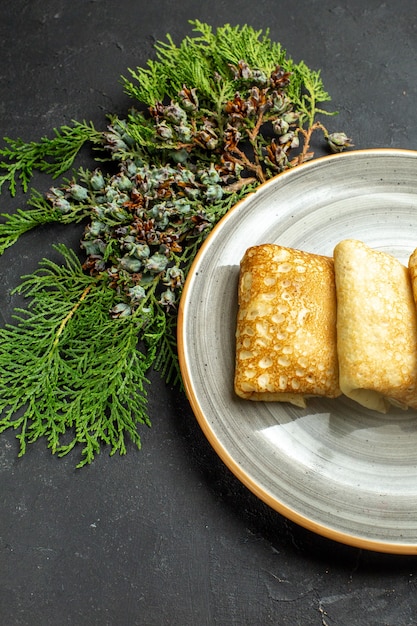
pixel 286 326
pixel 376 327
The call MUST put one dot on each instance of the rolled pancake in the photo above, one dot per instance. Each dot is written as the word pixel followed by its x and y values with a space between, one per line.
pixel 376 327
pixel 286 326
pixel 412 266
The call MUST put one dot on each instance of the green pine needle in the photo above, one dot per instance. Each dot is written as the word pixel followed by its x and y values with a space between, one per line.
pixel 53 156
pixel 71 374
pixel 197 59
pixel 38 211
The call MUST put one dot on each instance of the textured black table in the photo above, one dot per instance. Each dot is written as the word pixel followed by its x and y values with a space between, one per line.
pixel 167 535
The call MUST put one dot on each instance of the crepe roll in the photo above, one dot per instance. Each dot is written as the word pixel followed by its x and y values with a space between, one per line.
pixel 286 326
pixel 376 327
pixel 412 265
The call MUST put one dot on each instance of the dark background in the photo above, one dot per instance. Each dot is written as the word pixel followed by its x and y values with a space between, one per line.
pixel 167 535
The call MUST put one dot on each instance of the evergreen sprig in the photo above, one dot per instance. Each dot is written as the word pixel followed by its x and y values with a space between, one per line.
pixel 70 373
pixel 52 155
pixel 38 211
pixel 198 59
pixel 214 116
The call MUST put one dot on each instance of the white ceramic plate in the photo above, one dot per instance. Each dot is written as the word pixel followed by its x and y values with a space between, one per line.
pixel 335 468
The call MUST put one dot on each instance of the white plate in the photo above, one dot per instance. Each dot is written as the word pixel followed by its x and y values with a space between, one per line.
pixel 334 468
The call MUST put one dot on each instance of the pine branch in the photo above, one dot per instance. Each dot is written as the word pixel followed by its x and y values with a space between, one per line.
pixel 74 364
pixel 38 211
pixel 166 358
pixel 150 85
pixel 307 91
pixel 233 44
pixel 53 156
pixel 64 383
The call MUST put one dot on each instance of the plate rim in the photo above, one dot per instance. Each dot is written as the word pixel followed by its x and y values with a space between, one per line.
pixel 262 493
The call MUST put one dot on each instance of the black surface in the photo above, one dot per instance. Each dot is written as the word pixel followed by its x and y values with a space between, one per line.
pixel 167 535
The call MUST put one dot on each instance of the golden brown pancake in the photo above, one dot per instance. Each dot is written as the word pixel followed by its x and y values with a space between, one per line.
pixel 376 327
pixel 286 326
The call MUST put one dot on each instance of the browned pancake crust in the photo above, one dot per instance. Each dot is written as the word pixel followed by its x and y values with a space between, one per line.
pixel 286 326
